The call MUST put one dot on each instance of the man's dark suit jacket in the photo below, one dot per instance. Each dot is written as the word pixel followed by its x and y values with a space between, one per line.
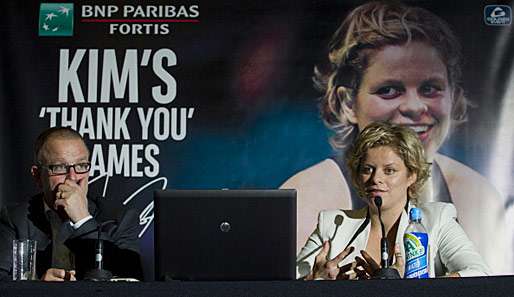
pixel 29 221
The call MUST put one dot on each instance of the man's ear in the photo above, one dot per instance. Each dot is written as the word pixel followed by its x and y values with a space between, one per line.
pixel 36 175
pixel 348 104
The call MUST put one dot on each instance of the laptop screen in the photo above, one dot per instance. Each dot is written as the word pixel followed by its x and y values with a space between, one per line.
pixel 225 234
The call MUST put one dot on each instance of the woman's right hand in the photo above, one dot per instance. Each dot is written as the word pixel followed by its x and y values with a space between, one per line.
pixel 328 269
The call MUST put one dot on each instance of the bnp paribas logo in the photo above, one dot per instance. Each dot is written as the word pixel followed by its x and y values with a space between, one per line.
pixel 56 19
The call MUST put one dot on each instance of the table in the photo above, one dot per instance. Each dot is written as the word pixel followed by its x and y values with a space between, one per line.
pixel 465 287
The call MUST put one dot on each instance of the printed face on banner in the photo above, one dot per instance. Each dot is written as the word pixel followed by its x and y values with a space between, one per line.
pixel 60 151
pixel 406 85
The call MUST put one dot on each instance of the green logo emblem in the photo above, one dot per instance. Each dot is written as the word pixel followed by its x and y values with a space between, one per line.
pixel 56 19
pixel 413 246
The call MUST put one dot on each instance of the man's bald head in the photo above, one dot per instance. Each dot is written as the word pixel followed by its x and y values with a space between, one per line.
pixel 64 133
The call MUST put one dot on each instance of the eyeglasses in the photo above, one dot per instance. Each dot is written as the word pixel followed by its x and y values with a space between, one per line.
pixel 59 169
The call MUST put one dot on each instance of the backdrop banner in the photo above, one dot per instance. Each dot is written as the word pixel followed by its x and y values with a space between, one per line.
pixel 220 94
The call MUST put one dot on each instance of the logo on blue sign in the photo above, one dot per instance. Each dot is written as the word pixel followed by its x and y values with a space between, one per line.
pixel 497 15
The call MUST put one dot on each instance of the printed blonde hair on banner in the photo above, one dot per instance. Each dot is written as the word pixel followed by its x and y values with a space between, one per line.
pixel 367 29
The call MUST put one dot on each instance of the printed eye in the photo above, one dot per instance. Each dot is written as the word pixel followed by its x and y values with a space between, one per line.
pixel 389 92
pixel 389 171
pixel 430 90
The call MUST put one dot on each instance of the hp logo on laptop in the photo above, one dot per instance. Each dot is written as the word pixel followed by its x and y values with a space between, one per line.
pixel 225 227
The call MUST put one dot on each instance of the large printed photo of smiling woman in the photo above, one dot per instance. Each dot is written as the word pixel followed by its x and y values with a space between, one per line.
pixel 401 64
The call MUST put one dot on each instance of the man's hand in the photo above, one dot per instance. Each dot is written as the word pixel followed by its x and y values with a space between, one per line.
pixel 58 275
pixel 72 198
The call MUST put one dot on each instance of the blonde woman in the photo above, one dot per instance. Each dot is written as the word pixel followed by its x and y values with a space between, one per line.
pixel 386 161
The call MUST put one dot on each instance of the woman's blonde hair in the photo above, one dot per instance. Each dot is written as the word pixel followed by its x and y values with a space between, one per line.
pixel 367 29
pixel 401 140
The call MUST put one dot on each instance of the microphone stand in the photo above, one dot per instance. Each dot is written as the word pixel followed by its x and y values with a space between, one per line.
pixel 99 274
pixel 385 272
pixel 338 220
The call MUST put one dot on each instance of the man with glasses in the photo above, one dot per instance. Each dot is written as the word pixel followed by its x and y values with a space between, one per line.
pixel 63 220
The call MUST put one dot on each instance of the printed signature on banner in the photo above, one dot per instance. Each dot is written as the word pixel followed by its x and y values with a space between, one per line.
pixel 146 215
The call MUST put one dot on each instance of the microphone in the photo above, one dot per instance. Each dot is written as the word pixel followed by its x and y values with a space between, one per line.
pixel 384 251
pixel 99 273
pixel 385 272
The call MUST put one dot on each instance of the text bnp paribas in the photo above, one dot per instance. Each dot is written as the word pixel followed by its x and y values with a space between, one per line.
pixel 140 19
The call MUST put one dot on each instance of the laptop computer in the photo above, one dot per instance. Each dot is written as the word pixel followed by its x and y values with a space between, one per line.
pixel 225 234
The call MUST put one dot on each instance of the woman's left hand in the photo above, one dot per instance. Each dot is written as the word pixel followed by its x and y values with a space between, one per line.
pixel 369 267
pixel 399 262
pixel 366 266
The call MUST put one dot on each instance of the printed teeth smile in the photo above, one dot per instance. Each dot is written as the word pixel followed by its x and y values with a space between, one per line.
pixel 419 129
